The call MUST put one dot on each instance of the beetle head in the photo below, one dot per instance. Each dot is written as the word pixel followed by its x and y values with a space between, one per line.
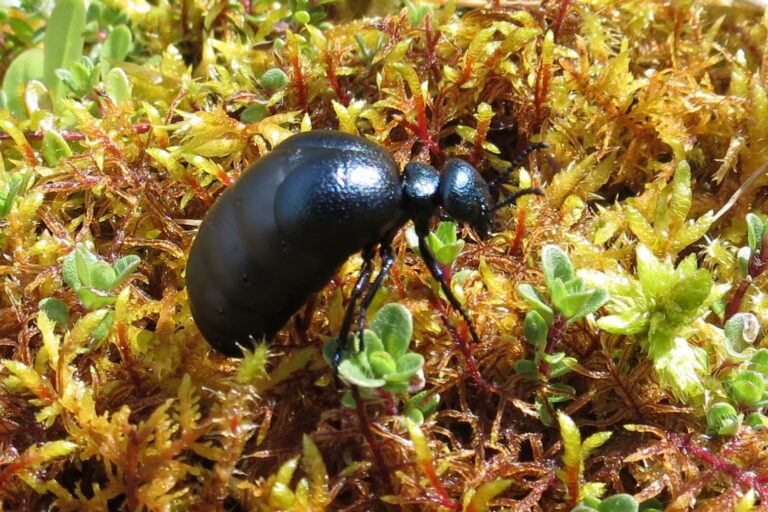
pixel 465 196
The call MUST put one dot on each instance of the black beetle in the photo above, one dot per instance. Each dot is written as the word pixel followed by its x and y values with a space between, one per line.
pixel 281 232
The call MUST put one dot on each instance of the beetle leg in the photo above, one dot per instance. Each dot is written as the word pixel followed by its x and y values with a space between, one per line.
pixel 387 260
pixel 437 273
pixel 362 281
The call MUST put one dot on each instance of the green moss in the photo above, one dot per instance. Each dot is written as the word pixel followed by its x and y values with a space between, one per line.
pixel 120 136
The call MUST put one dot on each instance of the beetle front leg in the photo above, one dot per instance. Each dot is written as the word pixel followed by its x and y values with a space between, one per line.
pixel 437 273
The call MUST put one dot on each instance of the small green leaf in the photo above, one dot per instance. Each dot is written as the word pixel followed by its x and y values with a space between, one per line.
pixel 63 42
pixel 14 183
pixel 394 326
pixel 415 416
pixel 526 368
pixel 355 375
pixel 756 421
pixel 329 351
pixel 254 113
pixel 759 362
pixel 115 47
pixel 755 232
pixel 69 81
pixel 446 232
pixel 21 29
pixel 124 267
pixel 36 97
pixel 118 86
pixel 746 389
pixel 54 147
pixel 655 277
pixel 273 79
pixel 101 276
pixel 102 330
pixel 558 292
pixel 94 299
pixel 69 271
pixel 56 310
pixel 27 66
pixel 555 358
pixel 740 332
pixel 723 419
pixel 82 75
pixel 425 401
pixel 555 265
pixel 743 256
pixel 532 297
pixel 536 330
pixel 691 292
pixel 569 304
pixel 449 253
pixel 598 298
pixel 619 503
pixel 382 364
pixel 407 366
pixel 301 17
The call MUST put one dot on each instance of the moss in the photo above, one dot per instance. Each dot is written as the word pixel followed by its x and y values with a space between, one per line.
pixel 655 116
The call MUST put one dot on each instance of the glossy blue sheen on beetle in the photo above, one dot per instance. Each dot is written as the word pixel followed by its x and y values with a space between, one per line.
pixel 281 232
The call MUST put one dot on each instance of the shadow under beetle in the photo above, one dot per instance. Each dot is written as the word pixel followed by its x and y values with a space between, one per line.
pixel 281 232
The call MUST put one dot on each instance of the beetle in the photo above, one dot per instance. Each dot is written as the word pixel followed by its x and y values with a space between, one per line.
pixel 282 231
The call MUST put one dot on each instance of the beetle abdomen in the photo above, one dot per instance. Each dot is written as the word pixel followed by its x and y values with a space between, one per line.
pixel 280 233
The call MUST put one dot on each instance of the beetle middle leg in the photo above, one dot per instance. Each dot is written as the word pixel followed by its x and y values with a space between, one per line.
pixel 387 260
pixel 362 281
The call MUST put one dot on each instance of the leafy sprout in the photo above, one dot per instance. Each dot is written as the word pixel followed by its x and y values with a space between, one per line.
pixel 93 280
pixel 570 300
pixel 658 307
pixel 383 362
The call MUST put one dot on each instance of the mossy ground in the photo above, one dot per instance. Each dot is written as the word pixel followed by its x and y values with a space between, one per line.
pixel 656 119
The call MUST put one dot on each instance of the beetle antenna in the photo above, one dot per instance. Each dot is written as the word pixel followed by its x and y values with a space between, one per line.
pixel 518 160
pixel 514 197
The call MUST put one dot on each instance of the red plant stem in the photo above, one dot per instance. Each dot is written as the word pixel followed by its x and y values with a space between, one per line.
pixel 757 264
pixel 301 87
pixel 572 485
pixel 517 243
pixel 365 429
pixel 423 134
pixel 431 43
pixel 330 72
pixel 13 468
pixel 441 501
pixel 388 401
pixel 744 477
pixel 541 89
pixel 554 336
pixel 442 496
pixel 738 297
pixel 561 12
pixel 477 149
pixel 460 340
